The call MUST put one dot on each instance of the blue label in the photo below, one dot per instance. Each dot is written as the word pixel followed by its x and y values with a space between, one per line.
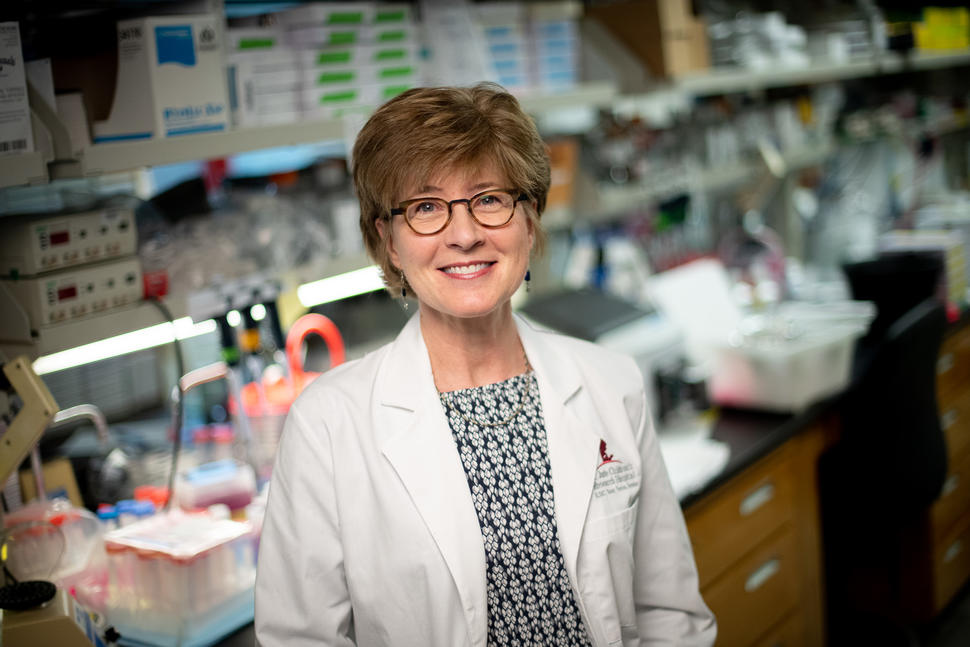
pixel 174 45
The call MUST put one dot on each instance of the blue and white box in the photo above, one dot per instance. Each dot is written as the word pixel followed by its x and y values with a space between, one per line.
pixel 171 79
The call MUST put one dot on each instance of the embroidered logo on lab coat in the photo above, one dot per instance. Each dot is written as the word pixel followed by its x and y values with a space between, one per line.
pixel 613 475
pixel 606 458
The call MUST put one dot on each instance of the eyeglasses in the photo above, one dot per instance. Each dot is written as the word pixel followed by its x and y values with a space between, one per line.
pixel 491 209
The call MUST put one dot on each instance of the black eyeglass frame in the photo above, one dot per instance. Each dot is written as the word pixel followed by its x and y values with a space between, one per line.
pixel 402 208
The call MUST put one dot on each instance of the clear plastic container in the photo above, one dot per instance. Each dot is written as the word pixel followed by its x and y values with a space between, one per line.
pixel 50 540
pixel 178 579
pixel 226 481
pixel 783 365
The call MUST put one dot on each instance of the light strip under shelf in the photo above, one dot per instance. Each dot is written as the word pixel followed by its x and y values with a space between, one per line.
pixel 129 342
pixel 341 286
pixel 334 288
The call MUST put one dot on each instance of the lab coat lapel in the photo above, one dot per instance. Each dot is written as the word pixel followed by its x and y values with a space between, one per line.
pixel 573 438
pixel 420 447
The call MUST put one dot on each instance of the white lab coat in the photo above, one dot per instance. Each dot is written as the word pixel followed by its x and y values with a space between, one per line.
pixel 371 536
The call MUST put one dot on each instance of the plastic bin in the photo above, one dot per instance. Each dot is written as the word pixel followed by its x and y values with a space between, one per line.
pixel 180 580
pixel 785 364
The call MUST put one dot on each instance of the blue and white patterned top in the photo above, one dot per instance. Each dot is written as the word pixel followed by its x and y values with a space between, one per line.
pixel 530 598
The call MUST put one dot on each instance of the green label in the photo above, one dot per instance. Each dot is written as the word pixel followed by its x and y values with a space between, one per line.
pixel 394 90
pixel 329 58
pixel 343 38
pixel 335 77
pixel 345 18
pixel 390 16
pixel 256 43
pixel 339 97
pixel 391 36
pixel 390 54
pixel 394 72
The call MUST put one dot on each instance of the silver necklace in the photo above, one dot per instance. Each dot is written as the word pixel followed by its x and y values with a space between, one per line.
pixel 523 397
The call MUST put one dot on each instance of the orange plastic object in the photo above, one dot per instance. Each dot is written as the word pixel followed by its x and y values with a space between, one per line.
pixel 273 397
pixel 304 326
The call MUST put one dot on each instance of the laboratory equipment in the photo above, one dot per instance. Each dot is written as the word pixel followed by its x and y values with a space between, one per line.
pixel 41 243
pixel 311 324
pixel 229 482
pixel 653 341
pixel 35 611
pixel 267 403
pixel 790 358
pixel 75 293
pixel 50 540
pixel 179 579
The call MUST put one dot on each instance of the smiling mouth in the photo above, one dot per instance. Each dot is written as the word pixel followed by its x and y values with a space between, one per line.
pixel 462 270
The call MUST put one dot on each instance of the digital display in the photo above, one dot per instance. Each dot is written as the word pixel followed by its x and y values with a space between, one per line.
pixel 66 293
pixel 60 237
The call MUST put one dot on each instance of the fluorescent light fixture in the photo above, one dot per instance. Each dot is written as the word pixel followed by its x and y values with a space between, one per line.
pixel 258 312
pixel 234 318
pixel 342 286
pixel 129 342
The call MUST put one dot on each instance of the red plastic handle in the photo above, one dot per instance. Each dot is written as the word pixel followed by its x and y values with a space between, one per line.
pixel 310 324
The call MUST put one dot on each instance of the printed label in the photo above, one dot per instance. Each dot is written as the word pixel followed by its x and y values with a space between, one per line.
pixel 174 44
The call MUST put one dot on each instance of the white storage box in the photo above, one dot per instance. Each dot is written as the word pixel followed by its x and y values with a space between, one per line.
pixel 177 580
pixel 16 135
pixel 785 363
pixel 171 79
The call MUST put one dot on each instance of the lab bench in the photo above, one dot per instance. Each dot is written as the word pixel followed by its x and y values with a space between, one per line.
pixel 755 528
pixel 939 545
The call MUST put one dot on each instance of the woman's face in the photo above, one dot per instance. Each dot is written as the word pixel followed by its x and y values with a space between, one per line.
pixel 465 270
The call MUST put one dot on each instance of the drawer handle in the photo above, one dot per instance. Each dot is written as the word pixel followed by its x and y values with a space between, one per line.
pixel 949 418
pixel 951 483
pixel 762 574
pixel 951 553
pixel 944 363
pixel 756 499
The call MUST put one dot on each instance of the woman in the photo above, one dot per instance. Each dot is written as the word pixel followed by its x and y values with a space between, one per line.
pixel 476 481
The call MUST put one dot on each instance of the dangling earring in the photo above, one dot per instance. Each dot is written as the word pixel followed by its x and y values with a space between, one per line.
pixel 404 291
pixel 528 277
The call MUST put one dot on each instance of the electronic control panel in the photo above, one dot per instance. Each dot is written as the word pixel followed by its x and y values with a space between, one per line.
pixel 31 245
pixel 80 292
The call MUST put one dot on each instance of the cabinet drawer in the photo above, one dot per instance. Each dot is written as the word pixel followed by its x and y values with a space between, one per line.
pixel 790 633
pixel 953 365
pixel 740 515
pixel 951 563
pixel 955 420
pixel 954 501
pixel 757 592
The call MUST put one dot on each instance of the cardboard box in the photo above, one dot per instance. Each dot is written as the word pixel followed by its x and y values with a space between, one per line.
pixel 59 481
pixel 15 131
pixel 664 35
pixel 171 79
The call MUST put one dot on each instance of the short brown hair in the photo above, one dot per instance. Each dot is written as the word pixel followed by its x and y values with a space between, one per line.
pixel 425 130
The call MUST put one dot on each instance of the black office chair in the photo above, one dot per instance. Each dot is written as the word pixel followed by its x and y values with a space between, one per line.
pixel 886 470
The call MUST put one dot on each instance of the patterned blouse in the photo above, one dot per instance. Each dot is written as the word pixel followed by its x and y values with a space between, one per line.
pixel 506 461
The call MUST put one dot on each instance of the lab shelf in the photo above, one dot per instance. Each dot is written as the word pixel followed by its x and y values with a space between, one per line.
pixel 726 80
pixel 605 200
pixel 594 94
pixel 99 159
pixel 107 158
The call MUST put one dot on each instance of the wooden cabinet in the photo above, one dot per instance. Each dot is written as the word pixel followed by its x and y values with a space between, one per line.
pixel 937 554
pixel 758 551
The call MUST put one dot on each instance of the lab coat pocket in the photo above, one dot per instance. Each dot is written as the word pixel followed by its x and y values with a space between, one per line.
pixel 617 523
pixel 606 570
